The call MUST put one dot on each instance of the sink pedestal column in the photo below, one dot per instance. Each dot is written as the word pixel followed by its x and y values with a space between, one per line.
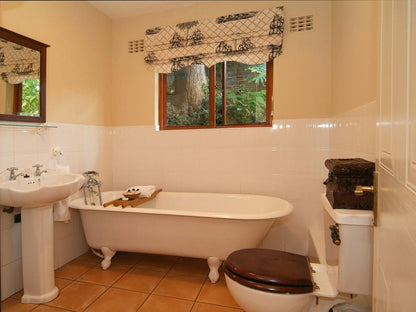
pixel 37 255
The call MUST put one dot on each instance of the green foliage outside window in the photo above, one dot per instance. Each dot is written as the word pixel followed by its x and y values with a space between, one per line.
pixel 246 106
pixel 190 117
pixel 245 100
pixel 30 97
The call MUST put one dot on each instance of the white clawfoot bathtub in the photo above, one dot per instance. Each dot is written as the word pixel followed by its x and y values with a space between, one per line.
pixel 199 225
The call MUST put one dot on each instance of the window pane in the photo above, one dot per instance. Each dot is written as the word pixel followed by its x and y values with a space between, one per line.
pixel 187 99
pixel 245 93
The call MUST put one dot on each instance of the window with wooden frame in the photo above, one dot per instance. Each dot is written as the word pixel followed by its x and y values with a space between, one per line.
pixel 228 94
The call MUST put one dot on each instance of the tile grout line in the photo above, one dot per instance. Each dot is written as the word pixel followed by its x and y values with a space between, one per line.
pixel 130 267
pixel 199 292
pixel 76 279
pixel 46 303
pixel 41 304
pixel 72 282
pixel 108 287
pixel 154 288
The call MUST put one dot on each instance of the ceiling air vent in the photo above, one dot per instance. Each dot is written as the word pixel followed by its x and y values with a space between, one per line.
pixel 301 23
pixel 136 46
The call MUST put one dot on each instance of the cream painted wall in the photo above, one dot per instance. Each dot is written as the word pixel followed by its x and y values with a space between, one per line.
pixel 91 79
pixel 79 57
pixel 354 61
pixel 298 92
pixel 303 72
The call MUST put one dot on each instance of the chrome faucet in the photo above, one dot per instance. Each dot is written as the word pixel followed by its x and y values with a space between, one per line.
pixel 38 172
pixel 13 175
pixel 89 185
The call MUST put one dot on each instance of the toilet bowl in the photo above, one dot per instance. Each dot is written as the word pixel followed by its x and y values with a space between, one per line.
pixel 260 278
pixel 266 280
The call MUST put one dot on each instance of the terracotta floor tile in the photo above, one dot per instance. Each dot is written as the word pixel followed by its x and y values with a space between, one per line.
pixel 177 283
pixel 14 305
pixel 190 266
pixel 140 280
pixel 164 304
pixel 62 283
pixel 183 287
pixel 44 308
pixel 74 269
pixel 216 294
pixel 159 263
pixel 118 300
pixel 126 258
pixel 18 295
pixel 104 277
pixel 77 296
pixel 205 307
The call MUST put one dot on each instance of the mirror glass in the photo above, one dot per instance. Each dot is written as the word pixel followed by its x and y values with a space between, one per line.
pixel 22 78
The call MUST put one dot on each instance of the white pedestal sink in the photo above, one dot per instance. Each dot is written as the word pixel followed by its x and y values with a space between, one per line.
pixel 35 196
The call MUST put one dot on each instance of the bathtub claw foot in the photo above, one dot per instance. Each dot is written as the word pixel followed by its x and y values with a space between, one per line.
pixel 108 254
pixel 214 264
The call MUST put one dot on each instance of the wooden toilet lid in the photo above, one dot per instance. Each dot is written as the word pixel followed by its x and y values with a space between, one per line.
pixel 270 270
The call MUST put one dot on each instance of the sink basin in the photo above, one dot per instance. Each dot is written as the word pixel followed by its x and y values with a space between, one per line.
pixel 35 196
pixel 39 191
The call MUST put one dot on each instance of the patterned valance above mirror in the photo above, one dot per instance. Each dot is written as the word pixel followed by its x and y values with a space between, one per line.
pixel 251 38
pixel 18 63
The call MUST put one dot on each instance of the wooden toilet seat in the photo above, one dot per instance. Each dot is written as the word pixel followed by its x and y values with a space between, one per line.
pixel 270 270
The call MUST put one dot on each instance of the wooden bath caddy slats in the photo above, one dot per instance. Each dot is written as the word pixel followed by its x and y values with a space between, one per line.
pixel 132 202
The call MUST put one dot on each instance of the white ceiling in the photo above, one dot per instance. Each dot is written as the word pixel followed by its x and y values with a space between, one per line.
pixel 120 9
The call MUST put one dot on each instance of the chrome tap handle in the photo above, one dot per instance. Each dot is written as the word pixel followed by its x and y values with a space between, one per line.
pixel 12 172
pixel 91 179
pixel 37 172
pixel 90 173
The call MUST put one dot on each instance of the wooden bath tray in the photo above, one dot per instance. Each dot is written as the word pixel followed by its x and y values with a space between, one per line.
pixel 132 202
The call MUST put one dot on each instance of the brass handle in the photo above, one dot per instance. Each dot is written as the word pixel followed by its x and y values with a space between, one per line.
pixel 359 190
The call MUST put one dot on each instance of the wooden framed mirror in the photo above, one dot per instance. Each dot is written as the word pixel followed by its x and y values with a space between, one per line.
pixel 22 78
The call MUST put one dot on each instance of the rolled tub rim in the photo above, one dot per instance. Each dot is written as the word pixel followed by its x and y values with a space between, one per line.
pixel 287 209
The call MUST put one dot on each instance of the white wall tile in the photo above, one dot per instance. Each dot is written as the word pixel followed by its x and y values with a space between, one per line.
pixel 11 238
pixel 69 240
pixel 277 162
pixel 11 278
pixel 6 141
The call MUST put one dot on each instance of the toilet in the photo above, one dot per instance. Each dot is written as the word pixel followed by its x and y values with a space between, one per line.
pixel 266 280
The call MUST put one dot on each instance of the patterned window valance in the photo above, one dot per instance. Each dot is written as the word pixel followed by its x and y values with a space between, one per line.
pixel 18 63
pixel 251 38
